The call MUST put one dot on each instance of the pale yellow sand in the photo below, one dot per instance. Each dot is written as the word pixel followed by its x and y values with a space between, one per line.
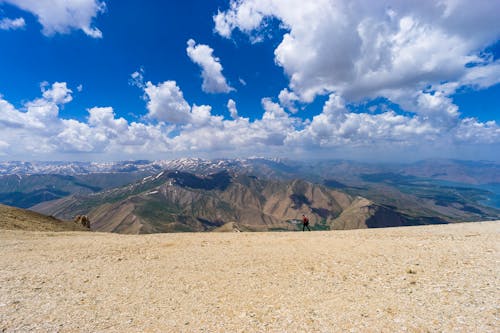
pixel 432 278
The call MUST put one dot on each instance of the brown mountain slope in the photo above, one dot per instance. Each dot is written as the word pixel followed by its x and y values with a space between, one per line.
pixel 259 206
pixel 363 213
pixel 185 202
pixel 12 218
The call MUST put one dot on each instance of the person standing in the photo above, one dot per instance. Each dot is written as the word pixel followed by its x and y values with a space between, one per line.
pixel 305 223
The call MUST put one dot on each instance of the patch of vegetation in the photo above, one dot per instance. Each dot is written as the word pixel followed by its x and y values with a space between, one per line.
pixel 224 207
pixel 157 212
pixel 321 225
pixel 294 225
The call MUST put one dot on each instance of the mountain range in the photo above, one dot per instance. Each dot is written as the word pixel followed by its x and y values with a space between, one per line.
pixel 253 194
pixel 181 201
pixel 466 172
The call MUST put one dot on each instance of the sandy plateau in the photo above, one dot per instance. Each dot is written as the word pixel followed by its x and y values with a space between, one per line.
pixel 416 279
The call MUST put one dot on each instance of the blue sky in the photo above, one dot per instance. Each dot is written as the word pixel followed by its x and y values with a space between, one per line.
pixel 114 80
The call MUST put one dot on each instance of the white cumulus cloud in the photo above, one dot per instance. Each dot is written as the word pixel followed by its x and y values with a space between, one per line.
pixel 211 69
pixel 166 103
pixel 337 127
pixel 288 99
pixel 12 24
pixel 62 16
pixel 233 111
pixel 174 126
pixel 59 93
pixel 365 49
pixel 416 54
pixel 38 131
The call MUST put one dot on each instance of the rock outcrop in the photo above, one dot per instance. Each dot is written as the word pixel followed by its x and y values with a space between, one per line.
pixel 82 220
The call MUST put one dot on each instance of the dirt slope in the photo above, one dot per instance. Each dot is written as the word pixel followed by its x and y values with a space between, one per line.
pixel 12 218
pixel 416 279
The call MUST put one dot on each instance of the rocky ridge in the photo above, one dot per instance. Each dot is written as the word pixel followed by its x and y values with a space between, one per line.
pixel 181 201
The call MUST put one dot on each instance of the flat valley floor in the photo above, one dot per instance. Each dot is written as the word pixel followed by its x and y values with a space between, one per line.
pixel 415 279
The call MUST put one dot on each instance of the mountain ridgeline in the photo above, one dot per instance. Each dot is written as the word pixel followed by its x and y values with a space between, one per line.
pixel 193 194
pixel 27 190
pixel 174 201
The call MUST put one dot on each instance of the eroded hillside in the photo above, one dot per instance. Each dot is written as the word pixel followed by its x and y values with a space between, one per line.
pixel 181 201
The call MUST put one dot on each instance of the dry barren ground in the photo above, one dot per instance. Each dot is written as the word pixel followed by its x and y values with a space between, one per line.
pixel 432 278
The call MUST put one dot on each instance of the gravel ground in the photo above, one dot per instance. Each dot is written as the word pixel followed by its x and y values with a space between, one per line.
pixel 430 278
